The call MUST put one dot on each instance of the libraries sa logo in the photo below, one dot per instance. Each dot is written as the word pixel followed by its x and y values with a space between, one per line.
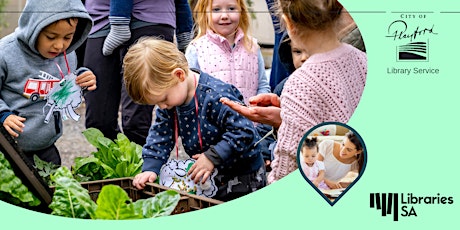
pixel 404 204
pixel 412 36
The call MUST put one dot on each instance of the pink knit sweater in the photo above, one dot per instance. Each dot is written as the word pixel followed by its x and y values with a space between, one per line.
pixel 327 87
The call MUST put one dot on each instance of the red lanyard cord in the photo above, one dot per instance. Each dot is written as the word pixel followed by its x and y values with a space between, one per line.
pixel 66 63
pixel 176 124
pixel 176 133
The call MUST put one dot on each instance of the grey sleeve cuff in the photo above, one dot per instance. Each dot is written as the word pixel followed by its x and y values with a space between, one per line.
pixel 212 155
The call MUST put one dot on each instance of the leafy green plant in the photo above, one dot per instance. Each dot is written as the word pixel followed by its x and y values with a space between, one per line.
pixel 113 159
pixel 45 169
pixel 70 199
pixel 162 204
pixel 113 203
pixel 11 188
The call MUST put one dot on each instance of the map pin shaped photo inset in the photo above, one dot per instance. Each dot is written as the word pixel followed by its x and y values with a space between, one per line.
pixel 331 158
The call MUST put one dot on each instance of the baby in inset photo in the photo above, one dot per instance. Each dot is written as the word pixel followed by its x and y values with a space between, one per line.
pixel 312 168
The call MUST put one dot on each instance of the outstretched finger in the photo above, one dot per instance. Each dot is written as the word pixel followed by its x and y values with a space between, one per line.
pixel 241 109
pixel 197 177
pixel 206 176
pixel 191 170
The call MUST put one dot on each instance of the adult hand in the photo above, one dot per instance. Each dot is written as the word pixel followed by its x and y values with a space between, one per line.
pixel 264 100
pixel 263 108
pixel 333 184
pixel 142 178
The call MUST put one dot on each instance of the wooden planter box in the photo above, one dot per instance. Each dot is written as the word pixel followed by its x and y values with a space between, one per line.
pixel 187 202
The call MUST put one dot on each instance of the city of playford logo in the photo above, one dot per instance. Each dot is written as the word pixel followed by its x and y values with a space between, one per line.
pixel 404 204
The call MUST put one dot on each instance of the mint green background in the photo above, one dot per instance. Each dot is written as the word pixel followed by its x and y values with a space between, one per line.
pixel 409 125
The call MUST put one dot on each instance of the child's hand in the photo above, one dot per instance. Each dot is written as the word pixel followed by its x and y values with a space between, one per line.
pixel 267 163
pixel 202 168
pixel 86 80
pixel 142 178
pixel 14 125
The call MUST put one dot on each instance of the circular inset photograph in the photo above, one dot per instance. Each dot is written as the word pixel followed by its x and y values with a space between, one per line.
pixel 331 158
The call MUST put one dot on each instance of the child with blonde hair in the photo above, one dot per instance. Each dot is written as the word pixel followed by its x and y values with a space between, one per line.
pixel 157 73
pixel 224 49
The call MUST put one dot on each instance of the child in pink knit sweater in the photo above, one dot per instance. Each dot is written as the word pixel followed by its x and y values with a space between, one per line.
pixel 224 49
pixel 327 87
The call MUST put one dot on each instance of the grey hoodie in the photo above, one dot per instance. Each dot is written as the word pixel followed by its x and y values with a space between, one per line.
pixel 21 64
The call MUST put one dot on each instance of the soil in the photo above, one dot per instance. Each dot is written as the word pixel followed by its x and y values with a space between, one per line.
pixel 72 143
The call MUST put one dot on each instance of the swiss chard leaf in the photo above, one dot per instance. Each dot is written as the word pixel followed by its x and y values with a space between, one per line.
pixel 70 199
pixel 11 188
pixel 162 204
pixel 114 203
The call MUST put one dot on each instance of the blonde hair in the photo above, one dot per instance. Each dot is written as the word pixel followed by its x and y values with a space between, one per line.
pixel 310 15
pixel 147 68
pixel 202 14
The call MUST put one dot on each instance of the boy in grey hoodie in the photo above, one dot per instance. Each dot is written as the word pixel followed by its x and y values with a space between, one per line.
pixel 31 59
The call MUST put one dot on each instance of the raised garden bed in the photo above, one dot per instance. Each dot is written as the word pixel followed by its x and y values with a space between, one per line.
pixel 37 185
pixel 187 202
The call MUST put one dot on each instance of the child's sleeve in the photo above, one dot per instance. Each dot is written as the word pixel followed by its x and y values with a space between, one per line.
pixel 321 165
pixel 264 85
pixel 192 57
pixel 5 110
pixel 239 135
pixel 160 142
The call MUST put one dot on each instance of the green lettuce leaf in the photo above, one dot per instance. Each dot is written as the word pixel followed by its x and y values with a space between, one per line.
pixel 92 168
pixel 92 135
pixel 118 158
